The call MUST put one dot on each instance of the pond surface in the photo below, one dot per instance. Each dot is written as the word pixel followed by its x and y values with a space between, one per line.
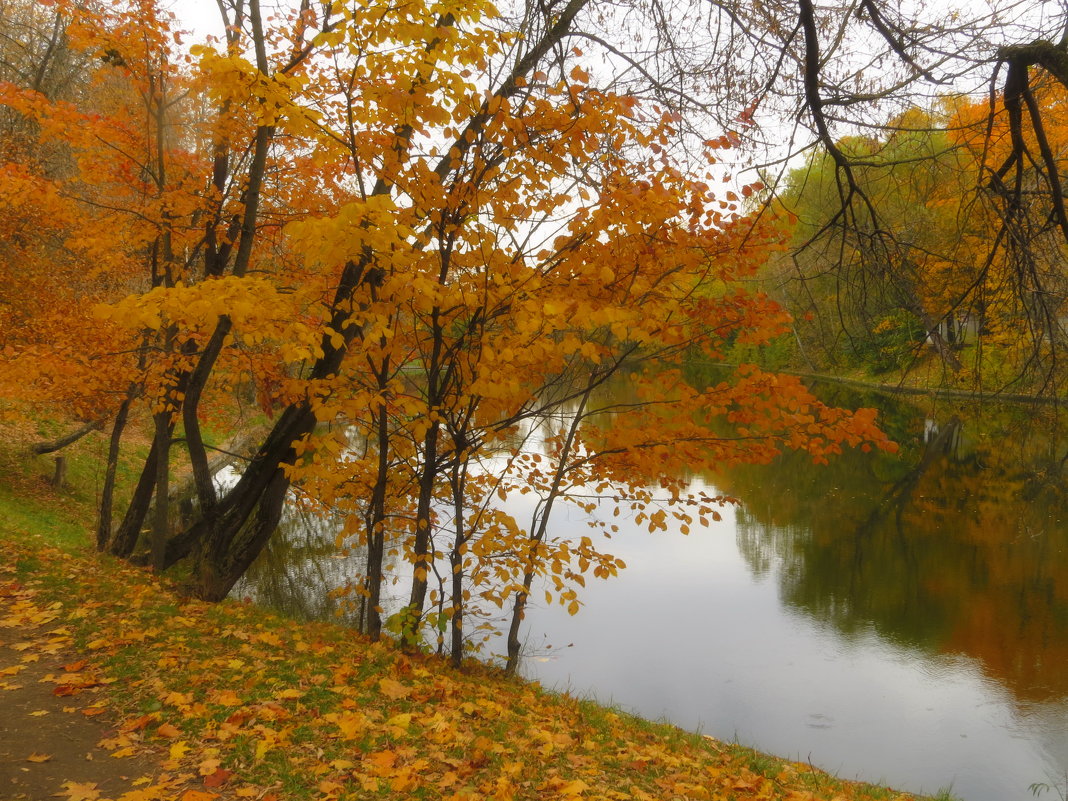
pixel 897 619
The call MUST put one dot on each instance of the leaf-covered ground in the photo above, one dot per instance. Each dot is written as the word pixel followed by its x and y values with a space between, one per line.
pixel 196 702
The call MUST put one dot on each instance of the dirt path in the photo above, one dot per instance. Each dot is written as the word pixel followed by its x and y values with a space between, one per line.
pixel 51 727
pixel 58 738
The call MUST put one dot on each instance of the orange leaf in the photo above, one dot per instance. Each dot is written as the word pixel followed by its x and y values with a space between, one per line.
pixel 35 757
pixel 136 724
pixel 218 778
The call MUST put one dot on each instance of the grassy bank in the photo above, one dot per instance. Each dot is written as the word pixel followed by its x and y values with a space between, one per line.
pixel 245 704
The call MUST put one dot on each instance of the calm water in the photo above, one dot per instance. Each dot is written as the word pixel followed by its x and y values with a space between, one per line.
pixel 901 620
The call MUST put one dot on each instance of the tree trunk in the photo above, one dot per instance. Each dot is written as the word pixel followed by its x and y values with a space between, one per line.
pixel 125 539
pixel 519 608
pixel 413 613
pixel 59 477
pixel 456 560
pixel 538 528
pixel 52 446
pixel 160 521
pixel 229 537
pixel 375 523
pixel 107 493
pixel 194 387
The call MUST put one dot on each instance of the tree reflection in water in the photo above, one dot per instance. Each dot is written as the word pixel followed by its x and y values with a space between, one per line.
pixel 956 546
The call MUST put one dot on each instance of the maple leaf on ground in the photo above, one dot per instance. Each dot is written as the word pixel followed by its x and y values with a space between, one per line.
pixel 153 793
pixel 393 689
pixel 136 724
pixel 36 757
pixel 79 791
pixel 217 779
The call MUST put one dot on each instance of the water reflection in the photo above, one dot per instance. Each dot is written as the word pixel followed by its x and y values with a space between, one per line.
pixel 898 618
pixel 957 548
pixel 300 571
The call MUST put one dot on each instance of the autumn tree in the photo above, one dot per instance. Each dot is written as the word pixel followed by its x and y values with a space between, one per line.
pixel 418 232
pixel 789 78
pixel 962 275
pixel 924 189
pixel 908 58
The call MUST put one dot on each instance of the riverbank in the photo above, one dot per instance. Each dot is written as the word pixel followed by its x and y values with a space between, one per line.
pixel 194 702
pixel 930 380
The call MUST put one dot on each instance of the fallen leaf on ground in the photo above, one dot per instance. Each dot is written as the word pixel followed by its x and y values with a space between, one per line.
pixel 393 689
pixel 79 791
pixel 218 778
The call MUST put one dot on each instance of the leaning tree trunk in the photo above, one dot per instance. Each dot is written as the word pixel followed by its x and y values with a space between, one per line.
pixel 229 536
pixel 52 446
pixel 125 539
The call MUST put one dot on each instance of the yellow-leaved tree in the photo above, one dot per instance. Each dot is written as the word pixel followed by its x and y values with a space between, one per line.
pixel 422 232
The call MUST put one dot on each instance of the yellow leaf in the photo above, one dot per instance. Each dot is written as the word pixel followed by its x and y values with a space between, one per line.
pixel 228 698
pixel 80 791
pixel 153 793
pixel 393 689
pixel 576 787
pixel 401 721
pixel 349 723
pixel 36 757
pixel 178 699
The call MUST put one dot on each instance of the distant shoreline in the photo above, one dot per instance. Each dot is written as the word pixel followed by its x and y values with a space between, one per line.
pixel 904 389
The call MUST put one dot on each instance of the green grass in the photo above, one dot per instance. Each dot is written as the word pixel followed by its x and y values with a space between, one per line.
pixel 63 528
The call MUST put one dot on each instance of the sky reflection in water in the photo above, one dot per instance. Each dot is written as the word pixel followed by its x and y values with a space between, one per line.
pixel 901 620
